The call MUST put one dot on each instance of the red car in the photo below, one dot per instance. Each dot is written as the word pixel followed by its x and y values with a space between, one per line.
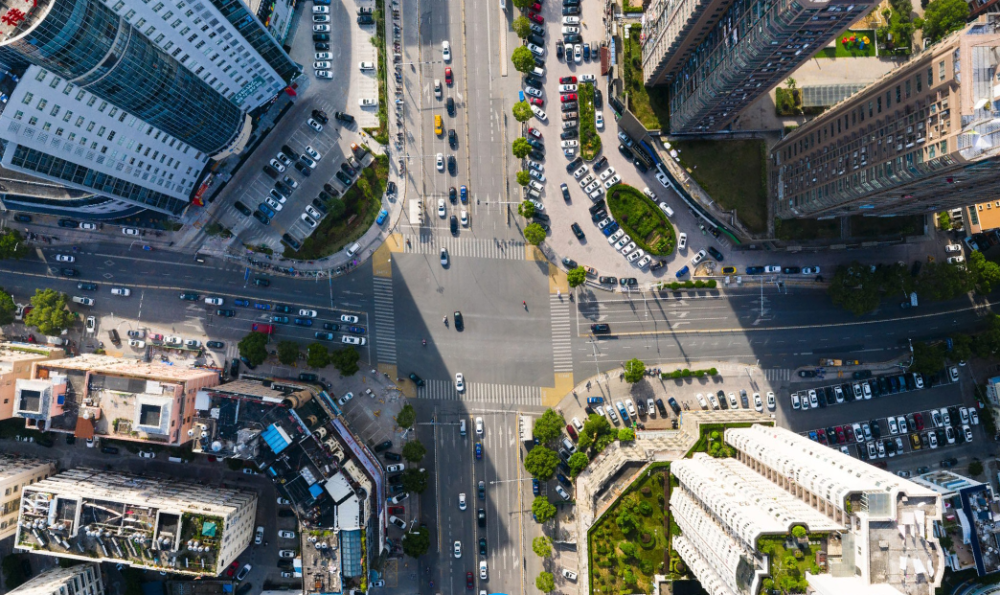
pixel 232 568
pixel 535 132
pixel 849 431
pixel 571 431
pixel 535 7
pixel 447 76
pixel 537 101
pixel 821 434
pixel 536 17
pixel 920 421
pixel 841 438
pixel 397 510
pixel 468 580
pixel 567 97
pixel 567 80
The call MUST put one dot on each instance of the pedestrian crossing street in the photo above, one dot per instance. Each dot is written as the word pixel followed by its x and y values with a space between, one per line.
pixel 464 247
pixel 562 347
pixel 507 394
pixel 385 324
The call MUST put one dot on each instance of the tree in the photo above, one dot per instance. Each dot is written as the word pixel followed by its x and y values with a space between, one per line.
pixel 337 209
pixel 345 360
pixel 49 312
pixel 798 532
pixel 543 509
pixel 577 462
pixel 521 148
pixel 634 370
pixel 417 542
pixel 414 480
pixel 534 233
pixel 12 245
pixel 8 309
pixel 976 467
pixel 545 582
pixel 542 546
pixel 986 274
pixel 961 349
pixel 944 16
pixel 522 177
pixel 317 355
pixel 548 427
pixel 626 434
pixel 595 427
pixel 526 209
pixel 522 4
pixel 522 111
pixel 541 463
pixel 576 277
pixel 254 348
pixel 523 59
pixel 288 352
pixel 521 26
pixel 855 289
pixel 414 451
pixel 406 416
pixel 927 359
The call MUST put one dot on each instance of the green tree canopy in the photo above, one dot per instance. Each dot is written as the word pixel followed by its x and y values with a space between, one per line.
pixel 534 234
pixel 523 59
pixel 545 582
pixel 986 274
pixel 927 359
pixel 548 427
pixel 417 542
pixel 961 348
pixel 8 309
pixel 12 245
pixel 522 111
pixel 522 4
pixel 941 17
pixel 317 355
pixel 634 370
pixel 541 463
pixel 798 531
pixel 521 26
pixel 522 177
pixel 414 480
pixel 626 434
pixel 576 277
pixel 49 312
pixel 521 148
pixel 254 348
pixel 288 352
pixel 855 289
pixel 543 510
pixel 976 467
pixel 337 209
pixel 414 451
pixel 577 462
pixel 542 546
pixel 526 209
pixel 345 360
pixel 595 427
pixel 406 416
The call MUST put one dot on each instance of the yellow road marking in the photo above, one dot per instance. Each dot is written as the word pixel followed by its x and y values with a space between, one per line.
pixel 557 280
pixel 382 258
pixel 551 395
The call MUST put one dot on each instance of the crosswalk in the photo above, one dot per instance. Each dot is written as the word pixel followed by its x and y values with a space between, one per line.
pixel 385 322
pixel 465 247
pixel 777 374
pixel 562 347
pixel 507 394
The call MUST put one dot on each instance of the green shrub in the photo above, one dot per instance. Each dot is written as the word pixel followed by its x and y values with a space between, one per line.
pixel 642 220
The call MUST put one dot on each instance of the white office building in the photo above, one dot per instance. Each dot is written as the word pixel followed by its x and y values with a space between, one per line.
pixel 82 579
pixel 880 527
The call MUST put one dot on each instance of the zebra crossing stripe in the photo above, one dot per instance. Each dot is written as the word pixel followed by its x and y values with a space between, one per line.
pixel 562 354
pixel 385 322
pixel 508 394
pixel 464 247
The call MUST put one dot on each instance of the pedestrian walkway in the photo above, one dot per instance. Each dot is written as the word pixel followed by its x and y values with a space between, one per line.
pixel 776 374
pixel 385 322
pixel 465 247
pixel 507 394
pixel 562 347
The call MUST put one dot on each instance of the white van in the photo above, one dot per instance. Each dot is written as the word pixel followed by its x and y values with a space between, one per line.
pixel 538 71
pixel 353 249
pixel 461 427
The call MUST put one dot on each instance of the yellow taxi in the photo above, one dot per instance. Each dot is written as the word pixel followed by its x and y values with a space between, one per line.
pixel 438 127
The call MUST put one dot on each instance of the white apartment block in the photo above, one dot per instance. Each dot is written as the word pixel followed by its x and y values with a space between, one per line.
pixel 16 473
pixel 82 579
pixel 145 522
pixel 881 526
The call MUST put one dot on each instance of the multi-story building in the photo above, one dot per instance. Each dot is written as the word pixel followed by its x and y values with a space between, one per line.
pixel 127 101
pixel 719 56
pixel 15 364
pixel 163 524
pixel 879 534
pixel 978 7
pixel 82 579
pixel 94 396
pixel 925 137
pixel 17 473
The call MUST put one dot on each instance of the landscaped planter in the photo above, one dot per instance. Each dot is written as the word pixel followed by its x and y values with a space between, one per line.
pixel 642 220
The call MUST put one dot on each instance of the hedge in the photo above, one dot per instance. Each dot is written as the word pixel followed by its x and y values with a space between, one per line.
pixel 699 284
pixel 685 373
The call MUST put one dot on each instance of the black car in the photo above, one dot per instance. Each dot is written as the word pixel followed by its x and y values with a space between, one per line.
pixel 600 328
pixel 320 205
pixel 87 286
pixel 416 379
pixel 533 81
pixel 321 46
pixel 109 450
pixel 392 456
pixel 577 231
pixel 188 296
pixel 453 224
pixel 331 327
pixel 537 155
pixel 534 142
pixel 343 117
pixel 321 37
pixel 450 105
pixel 876 430
pixel 225 313
pixel 452 139
pixel 366 19
pixel 599 216
pixel 283 188
pixel 532 38
pixel 452 165
pixel 261 282
pixel 242 208
pixel 69 224
pixel 569 134
pixel 538 29
pixel 453 195
pixel 320 115
pixel 68 272
pixel 569 107
pixel 597 206
pixel 559 50
pixel 270 171
pixel 628 281
pixel 395 479
pixel 383 446
pixel 303 169
pixel 607 280
pixel 598 100
pixel 247 363
pixel 948 463
pixel 288 150
pixel 481 517
pixel 540 216
pixel 22 218
pixel 570 11
pixel 459 321
pixel 215 345
pixel 259 216
pixel 600 164
pixel 292 242
pixel 482 547
pixel 715 253
pixel 626 152
pixel 234 367
pixel 70 439
pixel 639 165
pixel 791 270
pixel 658 264
pixel 343 178
pixel 347 169
pixel 572 38
pixel 571 2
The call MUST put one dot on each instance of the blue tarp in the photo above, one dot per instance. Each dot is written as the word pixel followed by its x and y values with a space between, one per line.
pixel 275 439
pixel 315 490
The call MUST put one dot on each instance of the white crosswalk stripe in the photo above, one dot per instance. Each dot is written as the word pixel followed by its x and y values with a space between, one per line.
pixel 465 247
pixel 385 321
pixel 562 347
pixel 508 394
pixel 773 374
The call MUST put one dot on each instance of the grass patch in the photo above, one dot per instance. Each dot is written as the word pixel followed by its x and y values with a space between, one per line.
pixel 362 202
pixel 381 134
pixel 590 141
pixel 850 49
pixel 654 115
pixel 807 229
pixel 732 173
pixel 642 220
pixel 787 102
pixel 631 542
pixel 872 227
pixel 713 434
pixel 790 559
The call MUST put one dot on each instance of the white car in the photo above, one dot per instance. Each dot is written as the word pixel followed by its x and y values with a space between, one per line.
pixel 313 212
pixel 533 92
pixel 91 324
pixel 343 317
pixel 599 120
pixel 810 270
pixel 214 301
pixel 321 18
pixel 286 534
pixel 772 268
pixel 483 571
pixel 368 102
pixel 953 248
pixel 344 399
pixel 973 417
pixel 538 206
pixel 757 403
pixel 702 401
pixel 639 253
pixel 286 553
pixel 130 231
pixel 366 66
pixel 622 242
pixel 441 208
pixel 682 241
pixel 439 160
pixel 588 78
pixel 446 51
pixel 571 20
pixel 608 173
pixel 353 340
pixel 321 65
pixel 444 257
pixel 538 51
pixel 321 28
pixel 644 261
pixel 192 343
pixel 464 218
pixel 122 291
pixel 770 401
pixel 308 220
pixel 616 236
pixel 541 115
pixel 315 125
pixel 479 426
pixel 956 259
pixel 592 186
pixel 628 248
pixel 313 153
pixel 700 256
pixel 438 89
pixel 580 171
pixel 562 493
pixel 277 165
pixel 578 53
pixel 258 539
pixel 662 179
pixel 461 501
pixel 277 206
pixel 321 10
pixel 323 55
pixel 953 373
pixel 535 165
pixel 458 549
pixel 284 501
pixel 147 454
pixel 173 340
pixel 88 226
pixel 323 74
pixel 459 382
pixel 614 180
pixel 795 401
pixel 570 30
pixel 65 258
pixel 570 88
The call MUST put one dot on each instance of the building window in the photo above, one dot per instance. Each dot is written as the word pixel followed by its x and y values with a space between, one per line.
pixel 67 116
pixel 59 131
pixel 41 104
pixel 158 6
pixel 55 82
pixel 41 75
pixel 27 98
pixel 32 121
pixel 119 6
pixel 941 70
pixel 104 104
pixel 55 111
pixel 90 102
pixel 79 121
pixel 113 111
pixel 90 127
pixel 18 115
pixel 68 89
pixel 167 15
pixel 111 136
pixel 100 131
pixel 129 14
pixel 140 23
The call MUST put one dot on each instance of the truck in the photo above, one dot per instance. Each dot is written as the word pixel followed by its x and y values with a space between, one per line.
pixel 527 426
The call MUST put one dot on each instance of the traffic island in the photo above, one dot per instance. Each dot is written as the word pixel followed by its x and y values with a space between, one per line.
pixel 642 220
pixel 590 141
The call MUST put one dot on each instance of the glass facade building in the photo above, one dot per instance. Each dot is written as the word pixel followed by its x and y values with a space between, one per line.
pixel 240 17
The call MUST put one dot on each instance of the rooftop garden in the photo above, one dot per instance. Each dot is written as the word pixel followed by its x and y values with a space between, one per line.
pixel 790 557
pixel 649 104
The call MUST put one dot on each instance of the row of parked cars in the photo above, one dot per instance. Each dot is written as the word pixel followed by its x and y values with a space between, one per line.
pixel 865 389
